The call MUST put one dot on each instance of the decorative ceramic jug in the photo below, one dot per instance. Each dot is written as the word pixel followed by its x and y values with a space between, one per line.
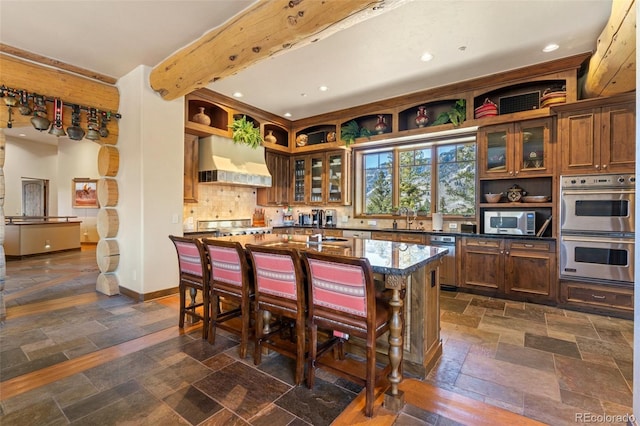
pixel 201 117
pixel 270 137
pixel 331 137
pixel 421 117
pixel 381 125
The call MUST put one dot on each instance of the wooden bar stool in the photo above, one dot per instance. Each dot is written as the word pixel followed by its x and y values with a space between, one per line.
pixel 280 290
pixel 230 279
pixel 342 298
pixel 194 276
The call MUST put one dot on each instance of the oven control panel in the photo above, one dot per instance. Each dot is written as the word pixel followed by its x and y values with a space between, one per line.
pixel 599 181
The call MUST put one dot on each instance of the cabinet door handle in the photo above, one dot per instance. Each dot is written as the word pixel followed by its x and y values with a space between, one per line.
pixel 516 173
pixel 507 252
pixel 595 296
pixel 604 166
pixel 597 166
pixel 528 245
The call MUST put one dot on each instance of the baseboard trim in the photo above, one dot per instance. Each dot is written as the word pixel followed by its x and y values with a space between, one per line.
pixel 147 296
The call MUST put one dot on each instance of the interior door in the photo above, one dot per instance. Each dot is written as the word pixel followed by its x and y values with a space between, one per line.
pixel 34 197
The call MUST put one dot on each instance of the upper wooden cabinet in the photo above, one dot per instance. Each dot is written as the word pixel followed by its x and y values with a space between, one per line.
pixel 190 168
pixel 279 193
pixel 516 149
pixel 322 178
pixel 598 136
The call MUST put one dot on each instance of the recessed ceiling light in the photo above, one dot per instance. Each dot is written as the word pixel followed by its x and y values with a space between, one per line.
pixel 287 114
pixel 22 135
pixel 323 88
pixel 462 48
pixel 550 47
pixel 426 57
pixel 237 94
pixel 304 95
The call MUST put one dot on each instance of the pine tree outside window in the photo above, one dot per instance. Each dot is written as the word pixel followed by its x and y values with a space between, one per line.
pixel 424 178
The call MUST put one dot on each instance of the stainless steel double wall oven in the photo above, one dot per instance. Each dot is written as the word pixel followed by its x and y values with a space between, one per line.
pixel 597 228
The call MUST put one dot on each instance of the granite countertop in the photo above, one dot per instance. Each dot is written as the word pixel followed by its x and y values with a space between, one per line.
pixel 385 257
pixel 421 231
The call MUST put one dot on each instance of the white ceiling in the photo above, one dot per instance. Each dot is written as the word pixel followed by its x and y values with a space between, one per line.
pixel 373 60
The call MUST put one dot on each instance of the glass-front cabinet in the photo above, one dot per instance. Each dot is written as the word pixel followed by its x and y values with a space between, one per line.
pixel 321 178
pixel 299 180
pixel 516 149
pixel 335 173
pixel 317 174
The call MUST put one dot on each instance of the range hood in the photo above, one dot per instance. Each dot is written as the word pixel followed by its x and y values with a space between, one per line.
pixel 223 161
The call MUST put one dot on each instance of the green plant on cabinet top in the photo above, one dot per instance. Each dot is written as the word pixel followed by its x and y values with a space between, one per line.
pixel 351 130
pixel 243 131
pixel 456 115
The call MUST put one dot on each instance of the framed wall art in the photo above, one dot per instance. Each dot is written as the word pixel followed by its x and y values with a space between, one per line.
pixel 84 194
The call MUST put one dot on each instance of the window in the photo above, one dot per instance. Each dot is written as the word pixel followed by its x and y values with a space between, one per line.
pixel 424 178
pixel 457 179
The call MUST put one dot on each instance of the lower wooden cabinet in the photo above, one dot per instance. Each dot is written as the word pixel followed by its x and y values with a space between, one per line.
pixel 482 264
pixel 530 269
pixel 400 237
pixel 608 299
pixel 514 269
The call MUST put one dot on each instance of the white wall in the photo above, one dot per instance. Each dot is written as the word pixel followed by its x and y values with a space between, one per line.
pixel 77 159
pixel 24 158
pixel 59 162
pixel 151 144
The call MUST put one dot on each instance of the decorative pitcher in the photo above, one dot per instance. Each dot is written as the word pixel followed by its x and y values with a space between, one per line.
pixel 421 117
pixel 381 126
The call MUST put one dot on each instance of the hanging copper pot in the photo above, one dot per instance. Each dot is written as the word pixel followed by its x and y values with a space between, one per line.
pixel 56 127
pixel 74 131
pixel 104 132
pixel 39 120
pixel 24 107
pixel 93 133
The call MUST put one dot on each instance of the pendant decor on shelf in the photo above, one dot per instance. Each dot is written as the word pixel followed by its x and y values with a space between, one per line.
pixel 201 117
pixel 270 137
pixel 421 117
pixel 381 126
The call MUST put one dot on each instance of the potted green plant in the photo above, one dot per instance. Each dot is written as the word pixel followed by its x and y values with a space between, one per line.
pixel 350 131
pixel 456 115
pixel 243 131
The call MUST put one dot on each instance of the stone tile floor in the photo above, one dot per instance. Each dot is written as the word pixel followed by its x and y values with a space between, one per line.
pixel 545 363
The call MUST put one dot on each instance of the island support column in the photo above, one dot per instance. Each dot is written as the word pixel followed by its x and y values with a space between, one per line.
pixel 394 398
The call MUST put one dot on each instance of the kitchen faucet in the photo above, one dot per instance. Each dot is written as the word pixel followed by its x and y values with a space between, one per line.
pixel 410 215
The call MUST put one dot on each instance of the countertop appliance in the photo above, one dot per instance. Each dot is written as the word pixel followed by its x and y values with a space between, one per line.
pixel 510 222
pixel 223 228
pixel 597 228
pixel 330 217
pixel 447 270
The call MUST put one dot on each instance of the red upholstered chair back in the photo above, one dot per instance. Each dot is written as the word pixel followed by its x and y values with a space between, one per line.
pixel 226 263
pixel 339 286
pixel 190 259
pixel 275 274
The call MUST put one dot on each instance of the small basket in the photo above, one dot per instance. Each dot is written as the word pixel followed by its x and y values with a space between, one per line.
pixel 487 109
pixel 550 98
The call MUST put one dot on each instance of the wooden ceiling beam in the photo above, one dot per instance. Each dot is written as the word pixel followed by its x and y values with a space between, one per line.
pixel 267 28
pixel 612 68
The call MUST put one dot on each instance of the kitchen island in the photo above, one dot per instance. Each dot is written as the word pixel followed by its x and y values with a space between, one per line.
pixel 405 269
pixel 29 235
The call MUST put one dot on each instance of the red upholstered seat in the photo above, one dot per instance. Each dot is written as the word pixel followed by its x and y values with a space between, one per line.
pixel 194 276
pixel 279 291
pixel 230 279
pixel 342 298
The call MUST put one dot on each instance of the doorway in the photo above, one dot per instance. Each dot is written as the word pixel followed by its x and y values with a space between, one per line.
pixel 35 193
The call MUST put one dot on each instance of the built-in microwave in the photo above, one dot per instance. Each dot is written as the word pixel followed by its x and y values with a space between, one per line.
pixel 510 222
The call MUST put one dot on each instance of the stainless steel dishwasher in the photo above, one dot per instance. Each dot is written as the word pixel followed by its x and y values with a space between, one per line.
pixel 448 276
